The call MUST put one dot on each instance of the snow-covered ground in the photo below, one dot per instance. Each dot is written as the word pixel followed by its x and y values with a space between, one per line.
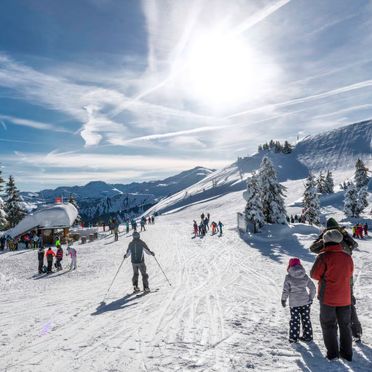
pixel 222 312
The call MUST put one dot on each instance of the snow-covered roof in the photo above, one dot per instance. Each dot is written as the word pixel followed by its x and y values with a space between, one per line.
pixel 51 217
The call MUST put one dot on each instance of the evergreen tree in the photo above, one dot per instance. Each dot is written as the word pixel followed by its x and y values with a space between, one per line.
pixel 13 204
pixel 362 200
pixel 3 221
pixel 287 148
pixel 272 193
pixel 278 147
pixel 271 144
pixel 320 183
pixel 253 209
pixel 260 148
pixel 360 176
pixel 329 183
pixel 351 201
pixel 311 201
pixel 265 146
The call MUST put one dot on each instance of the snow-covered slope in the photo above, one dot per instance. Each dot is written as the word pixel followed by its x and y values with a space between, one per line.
pixel 335 150
pixel 222 312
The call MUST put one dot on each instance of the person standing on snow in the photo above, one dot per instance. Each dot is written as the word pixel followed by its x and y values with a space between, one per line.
pixel 195 226
pixel 135 250
pixel 59 258
pixel 333 269
pixel 365 228
pixel 71 251
pixel 40 258
pixel 49 256
pixel 295 288
pixel 127 226
pixel 220 225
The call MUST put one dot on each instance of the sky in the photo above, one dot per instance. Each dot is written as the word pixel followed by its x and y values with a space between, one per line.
pixel 123 91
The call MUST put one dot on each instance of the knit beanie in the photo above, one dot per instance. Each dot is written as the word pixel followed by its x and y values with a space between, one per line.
pixel 332 223
pixel 332 236
pixel 293 262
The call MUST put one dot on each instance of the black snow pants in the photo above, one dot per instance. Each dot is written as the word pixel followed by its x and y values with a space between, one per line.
pixel 50 265
pixel 41 264
pixel 330 317
pixel 300 314
pixel 145 278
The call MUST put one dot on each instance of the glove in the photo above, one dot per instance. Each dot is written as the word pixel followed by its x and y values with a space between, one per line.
pixel 283 303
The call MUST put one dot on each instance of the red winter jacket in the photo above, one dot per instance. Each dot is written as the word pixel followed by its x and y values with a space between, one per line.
pixel 334 270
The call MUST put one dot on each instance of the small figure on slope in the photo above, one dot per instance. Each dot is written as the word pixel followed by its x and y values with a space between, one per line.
pixel 40 258
pixel 214 227
pixel 71 251
pixel 135 250
pixel 220 225
pixel 295 288
pixel 59 258
pixel 195 226
pixel 49 256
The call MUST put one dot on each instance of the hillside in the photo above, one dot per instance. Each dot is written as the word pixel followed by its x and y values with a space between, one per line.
pixel 335 150
pixel 98 200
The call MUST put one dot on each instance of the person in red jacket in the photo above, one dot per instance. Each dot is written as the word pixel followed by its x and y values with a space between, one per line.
pixel 49 256
pixel 333 269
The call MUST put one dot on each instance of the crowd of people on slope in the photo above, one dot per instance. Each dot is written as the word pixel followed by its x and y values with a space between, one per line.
pixel 333 269
pixel 29 240
pixel 360 231
pixel 55 257
pixel 296 219
pixel 205 225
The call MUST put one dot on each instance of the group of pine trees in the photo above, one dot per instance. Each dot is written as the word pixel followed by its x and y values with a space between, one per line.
pixel 356 195
pixel 265 197
pixel 11 208
pixel 276 146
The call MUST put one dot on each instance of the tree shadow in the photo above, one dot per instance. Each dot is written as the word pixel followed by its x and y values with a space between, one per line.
pixel 274 243
pixel 119 304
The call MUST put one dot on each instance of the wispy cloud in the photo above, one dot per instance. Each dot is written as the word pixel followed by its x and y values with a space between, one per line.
pixel 32 124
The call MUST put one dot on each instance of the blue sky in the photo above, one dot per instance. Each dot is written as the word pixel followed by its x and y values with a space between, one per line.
pixel 136 90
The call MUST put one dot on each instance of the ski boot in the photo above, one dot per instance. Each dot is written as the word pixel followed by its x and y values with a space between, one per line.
pixel 136 289
pixel 146 290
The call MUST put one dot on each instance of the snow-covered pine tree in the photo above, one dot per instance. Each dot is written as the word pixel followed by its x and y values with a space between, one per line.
pixel 311 201
pixel 253 209
pixel 272 193
pixel 13 204
pixel 320 183
pixel 329 183
pixel 351 201
pixel 3 221
pixel 287 148
pixel 362 200
pixel 361 177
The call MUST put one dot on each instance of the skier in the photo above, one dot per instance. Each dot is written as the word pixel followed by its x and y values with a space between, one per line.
pixel 295 288
pixel 116 232
pixel 35 241
pixel 220 224
pixel 49 256
pixel 40 258
pixel 333 269
pixel 153 219
pixel 214 227
pixel 59 258
pixel 143 221
pixel 365 228
pixel 127 226
pixel 354 231
pixel 71 251
pixel 135 249
pixel 195 226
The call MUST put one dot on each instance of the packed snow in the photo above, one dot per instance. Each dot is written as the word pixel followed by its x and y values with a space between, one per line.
pixel 222 312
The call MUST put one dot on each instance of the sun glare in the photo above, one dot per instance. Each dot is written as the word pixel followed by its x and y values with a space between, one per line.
pixel 222 70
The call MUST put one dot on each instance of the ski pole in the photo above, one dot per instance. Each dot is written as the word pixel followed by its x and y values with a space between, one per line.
pixel 113 279
pixel 162 271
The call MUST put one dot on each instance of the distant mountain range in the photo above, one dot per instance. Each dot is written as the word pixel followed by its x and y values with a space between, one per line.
pixel 336 150
pixel 99 200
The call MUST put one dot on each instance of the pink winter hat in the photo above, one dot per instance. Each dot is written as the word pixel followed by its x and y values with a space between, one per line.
pixel 293 262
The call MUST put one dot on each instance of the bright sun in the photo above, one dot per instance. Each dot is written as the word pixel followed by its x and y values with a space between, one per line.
pixel 223 70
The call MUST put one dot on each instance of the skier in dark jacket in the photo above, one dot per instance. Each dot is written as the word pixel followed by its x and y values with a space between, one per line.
pixel 40 258
pixel 59 258
pixel 220 225
pixel 49 256
pixel 136 248
pixel 333 269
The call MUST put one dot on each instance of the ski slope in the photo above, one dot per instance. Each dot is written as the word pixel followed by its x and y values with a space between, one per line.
pixel 222 312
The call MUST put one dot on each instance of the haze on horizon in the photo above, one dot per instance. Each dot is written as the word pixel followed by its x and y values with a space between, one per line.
pixel 123 91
